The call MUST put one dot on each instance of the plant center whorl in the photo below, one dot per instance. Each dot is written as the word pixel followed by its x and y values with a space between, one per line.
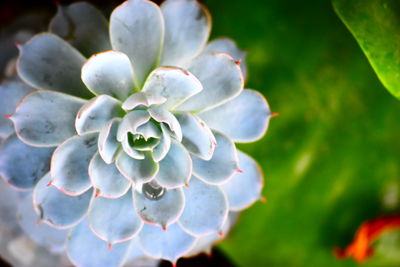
pixel 153 191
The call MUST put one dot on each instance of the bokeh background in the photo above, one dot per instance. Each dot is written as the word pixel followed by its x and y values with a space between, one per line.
pixel 331 157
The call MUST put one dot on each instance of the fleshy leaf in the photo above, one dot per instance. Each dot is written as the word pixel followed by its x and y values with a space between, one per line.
pixel 140 171
pixel 217 89
pixel 96 113
pixel 84 248
pixel 222 165
pixel 250 177
pixel 131 122
pixel 197 137
pixel 187 27
pixel 228 46
pixel 164 116
pixel 114 220
pixel 174 84
pixel 108 144
pixel 163 211
pixel 206 208
pixel 39 65
pixel 46 118
pixel 170 244
pixel 22 166
pixel 175 167
pixel 58 209
pixel 70 163
pixel 109 73
pixel 83 26
pixel 161 150
pixel 11 94
pixel 106 178
pixel 137 29
pixel 132 152
pixel 146 99
pixel 244 119
pixel 43 234
pixel 375 26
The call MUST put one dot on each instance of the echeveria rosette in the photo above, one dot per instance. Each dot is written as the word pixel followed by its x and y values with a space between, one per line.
pixel 127 138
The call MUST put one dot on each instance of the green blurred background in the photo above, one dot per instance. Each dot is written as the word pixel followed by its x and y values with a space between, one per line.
pixel 331 158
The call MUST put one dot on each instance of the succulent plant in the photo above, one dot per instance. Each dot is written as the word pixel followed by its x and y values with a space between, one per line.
pixel 126 136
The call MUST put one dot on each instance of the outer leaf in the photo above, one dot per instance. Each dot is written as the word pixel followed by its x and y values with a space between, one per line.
pixel 11 94
pixel 244 188
pixel 22 166
pixel 106 178
pixel 87 250
pixel 43 234
pixel 170 244
pixel 70 163
pixel 222 165
pixel 58 209
pixel 46 118
pixel 244 119
pixel 206 208
pixel 110 73
pixel 114 220
pixel 137 29
pixel 221 78
pixel 375 25
pixel 187 27
pixel 163 211
pixel 39 65
pixel 83 26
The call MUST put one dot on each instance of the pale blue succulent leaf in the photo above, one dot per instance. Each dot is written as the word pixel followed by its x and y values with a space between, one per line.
pixel 244 119
pixel 136 253
pixel 108 144
pixel 43 234
pixel 163 211
pixel 197 136
pixel 22 166
pixel 96 113
pixel 106 178
pixel 130 122
pixel 250 178
pixel 114 220
pixel 131 151
pixel 161 150
pixel 57 208
pixel 83 26
pixel 175 168
pixel 222 165
pixel 228 46
pixel 137 29
pixel 109 73
pixel 174 84
pixel 205 243
pixel 39 65
pixel 170 244
pixel 11 94
pixel 85 249
pixel 217 89
pixel 149 130
pixel 139 171
pixel 46 118
pixel 187 28
pixel 145 99
pixel 70 163
pixel 206 208
pixel 162 115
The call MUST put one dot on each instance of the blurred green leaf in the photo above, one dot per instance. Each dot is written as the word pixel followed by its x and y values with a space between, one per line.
pixel 376 26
